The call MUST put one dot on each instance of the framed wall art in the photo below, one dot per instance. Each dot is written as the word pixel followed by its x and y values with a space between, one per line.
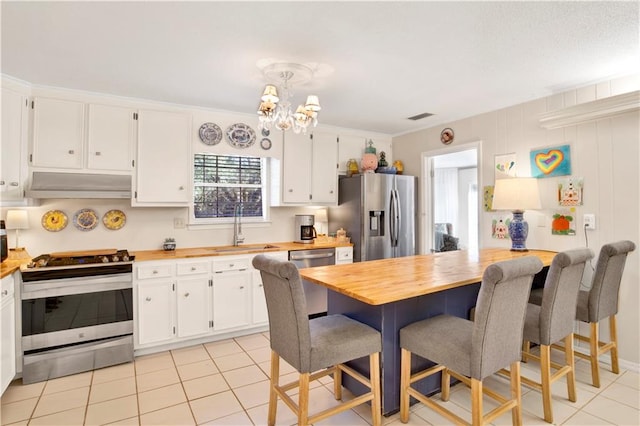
pixel 549 162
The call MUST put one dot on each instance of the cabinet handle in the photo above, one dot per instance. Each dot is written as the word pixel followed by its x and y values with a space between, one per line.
pixel 1 182
pixel 71 151
pixel 291 190
pixel 181 188
pixel 154 272
pixel 5 292
pixel 193 268
pixel 241 287
pixel 231 265
pixel 148 299
pixel 98 153
pixel 12 183
pixel 186 294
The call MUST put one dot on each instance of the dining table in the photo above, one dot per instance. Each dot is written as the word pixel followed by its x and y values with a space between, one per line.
pixel 388 294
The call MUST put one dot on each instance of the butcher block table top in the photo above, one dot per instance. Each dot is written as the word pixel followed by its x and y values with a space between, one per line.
pixel 13 262
pixel 383 281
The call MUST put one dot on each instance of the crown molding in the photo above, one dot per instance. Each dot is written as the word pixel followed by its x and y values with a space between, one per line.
pixel 589 111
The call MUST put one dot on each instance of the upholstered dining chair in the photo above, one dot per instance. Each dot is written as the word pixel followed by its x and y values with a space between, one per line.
pixel 598 303
pixel 552 321
pixel 471 351
pixel 315 348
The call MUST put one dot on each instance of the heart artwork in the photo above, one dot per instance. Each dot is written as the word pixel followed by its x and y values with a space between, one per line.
pixel 549 161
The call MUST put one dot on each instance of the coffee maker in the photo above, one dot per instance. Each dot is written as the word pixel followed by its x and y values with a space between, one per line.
pixel 305 232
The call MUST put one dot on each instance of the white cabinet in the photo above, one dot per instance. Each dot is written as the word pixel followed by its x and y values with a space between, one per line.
pixel 193 298
pixel 260 315
pixel 64 139
pixel 14 132
pixel 309 169
pixel 58 133
pixel 344 255
pixel 231 292
pixel 163 161
pixel 7 332
pixel 154 317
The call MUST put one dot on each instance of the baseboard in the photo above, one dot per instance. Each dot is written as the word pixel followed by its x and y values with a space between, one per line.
pixel 606 359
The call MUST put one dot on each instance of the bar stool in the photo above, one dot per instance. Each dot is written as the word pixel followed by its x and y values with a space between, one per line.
pixel 600 302
pixel 471 351
pixel 552 321
pixel 319 346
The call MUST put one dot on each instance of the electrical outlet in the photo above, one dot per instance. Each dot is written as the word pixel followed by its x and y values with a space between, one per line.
pixel 589 221
pixel 178 223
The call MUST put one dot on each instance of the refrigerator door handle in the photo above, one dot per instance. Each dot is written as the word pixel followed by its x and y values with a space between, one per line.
pixel 392 218
pixel 398 214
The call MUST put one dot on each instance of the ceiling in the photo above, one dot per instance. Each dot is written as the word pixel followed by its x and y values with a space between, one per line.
pixel 378 62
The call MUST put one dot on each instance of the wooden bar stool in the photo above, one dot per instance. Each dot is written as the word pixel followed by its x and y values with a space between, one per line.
pixel 552 321
pixel 315 348
pixel 471 351
pixel 598 303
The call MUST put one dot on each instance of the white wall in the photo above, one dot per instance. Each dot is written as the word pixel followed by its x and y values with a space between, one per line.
pixel 605 153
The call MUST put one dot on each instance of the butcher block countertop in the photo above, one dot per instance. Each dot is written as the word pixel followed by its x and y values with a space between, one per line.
pixel 383 281
pixel 249 248
pixel 13 262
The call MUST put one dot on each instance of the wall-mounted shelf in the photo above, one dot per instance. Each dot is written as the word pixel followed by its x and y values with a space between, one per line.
pixel 595 110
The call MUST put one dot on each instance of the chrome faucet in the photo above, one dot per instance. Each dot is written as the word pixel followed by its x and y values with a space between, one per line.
pixel 237 225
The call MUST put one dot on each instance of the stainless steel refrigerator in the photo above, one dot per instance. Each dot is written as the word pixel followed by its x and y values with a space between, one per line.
pixel 379 212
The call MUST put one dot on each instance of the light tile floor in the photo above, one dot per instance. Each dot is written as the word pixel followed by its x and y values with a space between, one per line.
pixel 226 383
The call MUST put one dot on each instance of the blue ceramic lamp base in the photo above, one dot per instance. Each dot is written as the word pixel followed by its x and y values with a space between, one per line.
pixel 518 231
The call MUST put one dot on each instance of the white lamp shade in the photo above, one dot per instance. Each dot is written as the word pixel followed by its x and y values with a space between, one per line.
pixel 313 103
pixel 17 219
pixel 270 94
pixel 516 194
pixel 321 215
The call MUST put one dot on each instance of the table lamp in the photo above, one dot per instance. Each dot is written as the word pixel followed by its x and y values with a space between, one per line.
pixel 17 219
pixel 320 217
pixel 517 195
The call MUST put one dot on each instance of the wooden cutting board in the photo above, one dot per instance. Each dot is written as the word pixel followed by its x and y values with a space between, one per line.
pixel 101 252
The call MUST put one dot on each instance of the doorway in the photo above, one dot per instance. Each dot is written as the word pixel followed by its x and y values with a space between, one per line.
pixel 451 199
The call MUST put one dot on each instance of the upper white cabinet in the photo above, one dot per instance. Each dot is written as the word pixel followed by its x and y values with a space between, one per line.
pixel 14 132
pixel 74 135
pixel 309 169
pixel 163 172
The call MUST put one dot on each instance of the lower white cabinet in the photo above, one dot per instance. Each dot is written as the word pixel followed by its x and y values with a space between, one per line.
pixel 344 255
pixel 7 332
pixel 181 300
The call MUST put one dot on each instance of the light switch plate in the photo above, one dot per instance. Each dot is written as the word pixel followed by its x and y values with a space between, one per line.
pixel 178 223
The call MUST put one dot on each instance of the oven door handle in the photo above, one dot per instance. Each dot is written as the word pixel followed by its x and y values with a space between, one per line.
pixel 78 285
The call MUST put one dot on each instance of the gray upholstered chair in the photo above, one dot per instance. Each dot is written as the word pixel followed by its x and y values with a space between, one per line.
pixel 600 302
pixel 315 348
pixel 471 351
pixel 552 321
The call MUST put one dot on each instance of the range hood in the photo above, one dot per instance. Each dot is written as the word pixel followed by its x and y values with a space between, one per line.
pixel 78 185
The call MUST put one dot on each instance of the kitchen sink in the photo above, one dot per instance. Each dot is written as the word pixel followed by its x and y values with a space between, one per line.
pixel 248 247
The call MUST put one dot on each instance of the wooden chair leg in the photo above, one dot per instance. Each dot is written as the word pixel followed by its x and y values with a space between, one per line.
pixel 526 348
pixel 516 393
pixel 337 384
pixel 570 361
pixel 476 402
pixel 303 400
pixel 593 344
pixel 274 381
pixel 614 349
pixel 545 375
pixel 446 385
pixel 405 376
pixel 374 378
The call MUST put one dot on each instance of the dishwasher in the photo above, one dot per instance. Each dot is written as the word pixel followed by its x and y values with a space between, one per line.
pixel 315 294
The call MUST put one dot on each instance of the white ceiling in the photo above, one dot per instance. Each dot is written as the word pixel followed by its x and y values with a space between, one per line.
pixel 381 61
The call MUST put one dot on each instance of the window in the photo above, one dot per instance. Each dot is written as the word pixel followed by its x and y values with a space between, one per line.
pixel 221 182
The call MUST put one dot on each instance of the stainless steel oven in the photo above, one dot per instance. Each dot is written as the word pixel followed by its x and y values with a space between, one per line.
pixel 76 317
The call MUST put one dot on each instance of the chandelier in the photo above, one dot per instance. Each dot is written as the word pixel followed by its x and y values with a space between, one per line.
pixel 276 110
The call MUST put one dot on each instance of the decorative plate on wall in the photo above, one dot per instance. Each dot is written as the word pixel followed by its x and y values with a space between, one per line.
pixel 210 134
pixel 446 136
pixel 114 219
pixel 240 135
pixel 85 219
pixel 54 220
pixel 265 143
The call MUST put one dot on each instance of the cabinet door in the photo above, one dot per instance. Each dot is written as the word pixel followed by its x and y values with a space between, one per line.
pixel 7 333
pixel 231 299
pixel 344 255
pixel 14 121
pixel 260 315
pixel 58 133
pixel 324 168
pixel 193 306
pixel 155 311
pixel 296 173
pixel 163 160
pixel 111 134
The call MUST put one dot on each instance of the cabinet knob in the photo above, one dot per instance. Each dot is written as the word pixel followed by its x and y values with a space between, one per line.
pixel 181 188
pixel 98 153
pixel 331 192
pixel 241 287
pixel 260 285
pixel 154 272
pixel 231 265
pixel 193 268
pixel 1 182
pixel 148 299
pixel 186 294
pixel 291 190
pixel 71 151
pixel 12 183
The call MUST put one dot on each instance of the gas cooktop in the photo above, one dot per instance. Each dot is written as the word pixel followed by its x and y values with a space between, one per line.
pixel 75 259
